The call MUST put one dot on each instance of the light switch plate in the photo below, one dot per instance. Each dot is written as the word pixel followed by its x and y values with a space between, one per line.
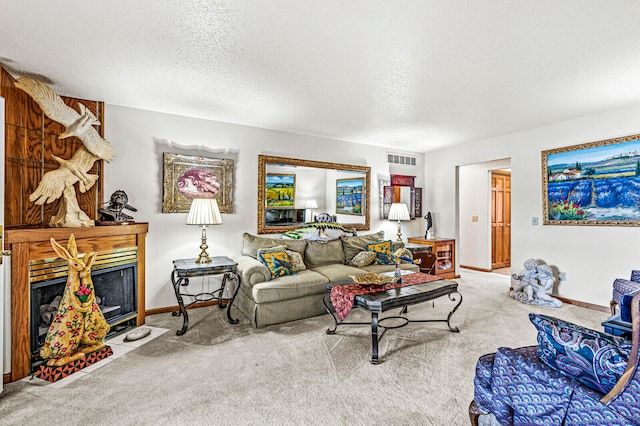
pixel 474 218
pixel 534 221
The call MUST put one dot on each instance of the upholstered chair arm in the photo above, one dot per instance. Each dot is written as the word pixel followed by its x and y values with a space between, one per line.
pixel 624 395
pixel 622 286
pixel 251 270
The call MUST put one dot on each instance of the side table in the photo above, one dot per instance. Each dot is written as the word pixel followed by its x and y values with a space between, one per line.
pixel 616 326
pixel 183 269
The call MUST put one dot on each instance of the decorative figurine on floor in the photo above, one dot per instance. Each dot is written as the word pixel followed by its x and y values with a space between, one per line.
pixel 429 234
pixel 113 212
pixel 534 285
pixel 78 328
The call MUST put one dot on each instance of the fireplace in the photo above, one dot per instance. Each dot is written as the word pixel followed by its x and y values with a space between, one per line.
pixel 33 261
pixel 116 294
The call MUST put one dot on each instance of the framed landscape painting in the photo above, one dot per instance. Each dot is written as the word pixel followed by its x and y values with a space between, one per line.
pixel 349 196
pixel 280 190
pixel 596 183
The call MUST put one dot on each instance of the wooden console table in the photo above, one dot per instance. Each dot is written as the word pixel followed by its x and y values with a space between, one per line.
pixel 27 244
pixel 444 250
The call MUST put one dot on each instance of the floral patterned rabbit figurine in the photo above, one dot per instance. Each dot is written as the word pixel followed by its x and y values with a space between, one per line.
pixel 78 327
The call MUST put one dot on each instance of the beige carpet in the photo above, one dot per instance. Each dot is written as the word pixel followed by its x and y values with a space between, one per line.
pixel 295 374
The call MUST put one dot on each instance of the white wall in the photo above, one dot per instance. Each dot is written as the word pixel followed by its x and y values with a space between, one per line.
pixel 474 242
pixel 140 137
pixel 591 256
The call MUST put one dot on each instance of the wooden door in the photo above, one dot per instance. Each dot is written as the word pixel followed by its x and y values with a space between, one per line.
pixel 500 219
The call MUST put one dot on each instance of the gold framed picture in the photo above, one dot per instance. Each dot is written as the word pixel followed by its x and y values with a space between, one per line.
pixel 595 183
pixel 188 177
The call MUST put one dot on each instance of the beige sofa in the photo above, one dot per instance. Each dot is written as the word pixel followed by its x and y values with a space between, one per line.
pixel 266 301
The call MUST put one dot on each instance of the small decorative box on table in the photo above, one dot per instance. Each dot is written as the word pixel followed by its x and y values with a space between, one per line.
pixel 183 269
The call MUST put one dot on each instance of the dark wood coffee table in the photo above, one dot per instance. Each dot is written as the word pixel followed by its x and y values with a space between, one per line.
pixel 378 302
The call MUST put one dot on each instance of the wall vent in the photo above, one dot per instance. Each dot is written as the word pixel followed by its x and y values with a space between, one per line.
pixel 404 160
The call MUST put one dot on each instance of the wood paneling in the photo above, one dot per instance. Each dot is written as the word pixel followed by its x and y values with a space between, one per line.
pixel 30 140
pixel 500 219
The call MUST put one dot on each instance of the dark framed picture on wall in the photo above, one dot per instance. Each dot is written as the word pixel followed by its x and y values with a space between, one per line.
pixel 595 183
pixel 188 177
pixel 349 196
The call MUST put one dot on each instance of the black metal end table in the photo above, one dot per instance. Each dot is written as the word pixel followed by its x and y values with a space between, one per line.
pixel 183 269
pixel 378 302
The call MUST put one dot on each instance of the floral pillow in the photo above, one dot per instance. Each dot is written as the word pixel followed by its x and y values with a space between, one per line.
pixel 364 258
pixel 277 261
pixel 295 258
pixel 382 249
pixel 593 358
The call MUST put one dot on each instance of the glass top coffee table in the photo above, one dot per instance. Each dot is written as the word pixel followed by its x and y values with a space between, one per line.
pixel 379 301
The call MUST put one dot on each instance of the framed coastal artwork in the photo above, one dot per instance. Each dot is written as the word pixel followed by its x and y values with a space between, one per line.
pixel 349 196
pixel 187 177
pixel 280 190
pixel 596 183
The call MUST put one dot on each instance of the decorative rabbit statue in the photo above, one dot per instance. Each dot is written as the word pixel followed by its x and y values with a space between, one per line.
pixel 78 327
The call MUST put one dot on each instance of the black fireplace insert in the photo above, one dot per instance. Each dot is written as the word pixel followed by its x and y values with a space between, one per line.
pixel 116 294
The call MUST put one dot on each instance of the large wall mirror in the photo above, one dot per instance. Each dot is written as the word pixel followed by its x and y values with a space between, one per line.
pixel 292 192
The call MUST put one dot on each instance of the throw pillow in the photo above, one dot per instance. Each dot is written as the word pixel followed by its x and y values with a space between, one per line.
pixel 593 358
pixel 354 245
pixel 363 259
pixel 251 244
pixel 277 261
pixel 295 258
pixel 382 250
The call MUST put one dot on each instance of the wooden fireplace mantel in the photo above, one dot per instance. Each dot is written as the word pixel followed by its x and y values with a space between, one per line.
pixel 31 243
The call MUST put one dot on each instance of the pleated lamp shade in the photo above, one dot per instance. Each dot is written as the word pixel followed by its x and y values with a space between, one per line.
pixel 204 211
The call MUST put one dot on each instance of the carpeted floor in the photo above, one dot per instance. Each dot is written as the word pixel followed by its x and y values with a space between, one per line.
pixel 294 373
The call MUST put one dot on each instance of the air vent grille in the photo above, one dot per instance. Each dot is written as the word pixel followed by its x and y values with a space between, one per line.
pixel 401 159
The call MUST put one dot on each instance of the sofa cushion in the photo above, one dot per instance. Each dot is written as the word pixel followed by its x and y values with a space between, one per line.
pixel 319 253
pixel 277 261
pixel 382 249
pixel 251 244
pixel 302 284
pixel 595 359
pixel 295 258
pixel 363 259
pixel 354 245
pixel 336 273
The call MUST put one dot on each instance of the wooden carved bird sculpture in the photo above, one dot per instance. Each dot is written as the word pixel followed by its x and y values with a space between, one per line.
pixel 60 182
pixel 76 124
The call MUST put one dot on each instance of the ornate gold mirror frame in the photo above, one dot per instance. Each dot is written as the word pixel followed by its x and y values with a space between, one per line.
pixel 265 160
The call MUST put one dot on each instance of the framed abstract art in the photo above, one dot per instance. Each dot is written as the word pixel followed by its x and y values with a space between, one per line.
pixel 187 177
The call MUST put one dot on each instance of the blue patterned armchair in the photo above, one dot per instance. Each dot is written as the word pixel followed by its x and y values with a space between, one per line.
pixel 623 286
pixel 574 376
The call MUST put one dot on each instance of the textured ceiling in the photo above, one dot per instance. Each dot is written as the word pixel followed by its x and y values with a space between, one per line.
pixel 414 75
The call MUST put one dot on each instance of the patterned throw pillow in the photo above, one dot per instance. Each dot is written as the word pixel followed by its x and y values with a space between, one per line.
pixel 295 258
pixel 363 259
pixel 277 261
pixel 382 250
pixel 593 358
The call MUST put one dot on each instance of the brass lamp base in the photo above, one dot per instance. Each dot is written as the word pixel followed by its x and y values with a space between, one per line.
pixel 399 232
pixel 203 257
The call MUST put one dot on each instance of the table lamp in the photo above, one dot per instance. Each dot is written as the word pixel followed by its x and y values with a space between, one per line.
pixel 204 211
pixel 399 211
pixel 311 204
